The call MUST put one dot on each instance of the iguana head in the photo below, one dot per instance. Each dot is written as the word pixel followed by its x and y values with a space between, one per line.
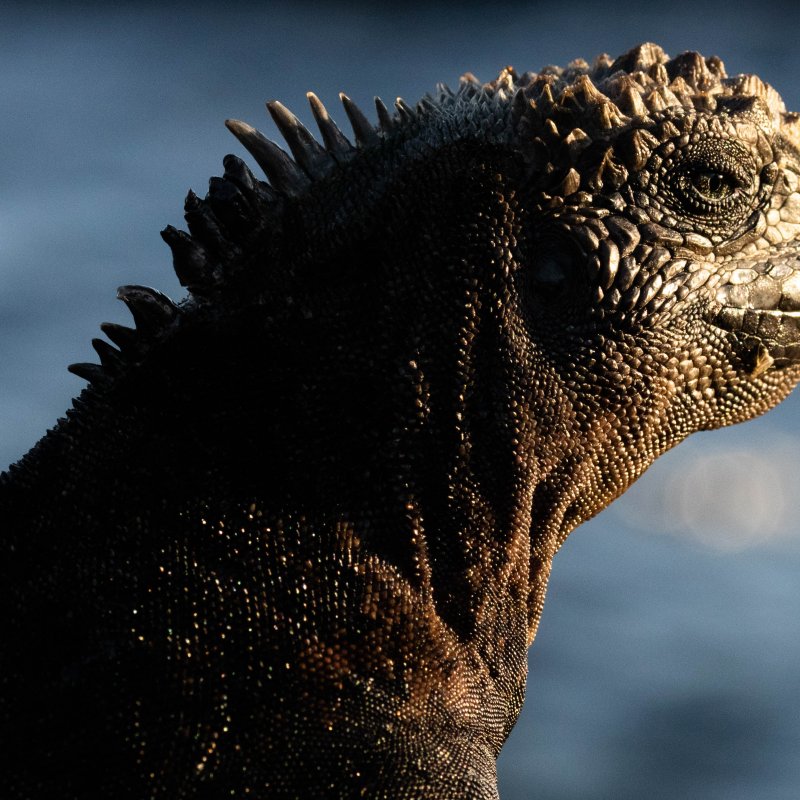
pixel 669 224
pixel 661 199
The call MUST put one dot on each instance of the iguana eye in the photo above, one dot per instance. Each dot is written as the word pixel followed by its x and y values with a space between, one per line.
pixel 710 186
pixel 714 186
pixel 704 188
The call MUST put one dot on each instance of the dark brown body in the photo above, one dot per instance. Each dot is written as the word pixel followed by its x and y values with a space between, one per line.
pixel 294 539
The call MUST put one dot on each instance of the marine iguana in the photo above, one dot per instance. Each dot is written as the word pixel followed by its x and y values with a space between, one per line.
pixel 293 539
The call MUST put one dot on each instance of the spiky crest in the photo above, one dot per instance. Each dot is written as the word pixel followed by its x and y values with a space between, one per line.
pixel 549 113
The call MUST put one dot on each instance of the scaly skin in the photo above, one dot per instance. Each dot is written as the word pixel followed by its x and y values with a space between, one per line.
pixel 294 538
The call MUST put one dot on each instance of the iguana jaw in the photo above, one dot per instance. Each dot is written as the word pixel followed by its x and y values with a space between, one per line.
pixel 765 314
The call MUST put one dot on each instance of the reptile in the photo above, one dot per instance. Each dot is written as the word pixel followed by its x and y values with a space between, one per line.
pixel 294 537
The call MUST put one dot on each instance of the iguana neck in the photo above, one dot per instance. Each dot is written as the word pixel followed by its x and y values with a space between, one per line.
pixel 375 473
pixel 349 465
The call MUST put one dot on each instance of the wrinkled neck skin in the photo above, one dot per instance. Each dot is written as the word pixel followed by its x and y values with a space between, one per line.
pixel 609 434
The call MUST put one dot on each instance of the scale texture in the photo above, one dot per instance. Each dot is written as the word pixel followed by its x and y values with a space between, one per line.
pixel 293 539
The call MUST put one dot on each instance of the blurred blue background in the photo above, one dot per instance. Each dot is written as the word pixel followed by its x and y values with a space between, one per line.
pixel 668 660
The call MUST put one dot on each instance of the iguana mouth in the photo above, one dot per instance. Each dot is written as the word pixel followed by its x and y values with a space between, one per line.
pixel 763 309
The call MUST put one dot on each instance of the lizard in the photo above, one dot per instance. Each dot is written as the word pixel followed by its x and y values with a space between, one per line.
pixel 294 538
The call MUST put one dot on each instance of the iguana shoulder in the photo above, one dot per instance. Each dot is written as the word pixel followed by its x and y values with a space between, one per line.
pixel 294 538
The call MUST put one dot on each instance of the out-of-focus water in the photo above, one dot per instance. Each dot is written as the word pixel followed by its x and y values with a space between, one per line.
pixel 668 661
